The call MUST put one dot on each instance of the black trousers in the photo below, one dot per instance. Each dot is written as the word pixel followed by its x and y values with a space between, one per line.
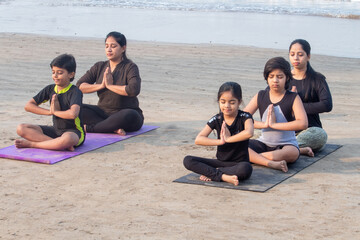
pixel 97 121
pixel 214 168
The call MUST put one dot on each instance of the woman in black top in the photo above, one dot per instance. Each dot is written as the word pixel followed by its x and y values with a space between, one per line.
pixel 117 83
pixel 315 94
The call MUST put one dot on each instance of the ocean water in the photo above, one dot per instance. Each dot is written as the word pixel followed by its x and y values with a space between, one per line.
pixel 331 26
pixel 326 8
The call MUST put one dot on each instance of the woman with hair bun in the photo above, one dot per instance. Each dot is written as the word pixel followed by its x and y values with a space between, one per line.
pixel 117 83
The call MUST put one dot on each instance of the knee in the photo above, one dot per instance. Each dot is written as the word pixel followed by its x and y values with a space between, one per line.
pixel 133 120
pixel 187 162
pixel 129 115
pixel 313 137
pixel 69 139
pixel 20 130
pixel 293 157
pixel 247 170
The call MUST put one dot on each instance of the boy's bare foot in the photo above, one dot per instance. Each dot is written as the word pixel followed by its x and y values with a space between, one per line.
pixel 71 149
pixel 204 178
pixel 307 151
pixel 279 165
pixel 121 132
pixel 233 179
pixel 22 143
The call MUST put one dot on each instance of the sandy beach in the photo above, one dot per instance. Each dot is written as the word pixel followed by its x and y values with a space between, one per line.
pixel 125 190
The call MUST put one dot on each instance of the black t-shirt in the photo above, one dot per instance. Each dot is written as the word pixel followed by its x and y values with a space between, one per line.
pixel 232 152
pixel 67 97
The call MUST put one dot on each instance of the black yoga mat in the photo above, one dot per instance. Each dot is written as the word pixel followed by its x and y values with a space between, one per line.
pixel 263 178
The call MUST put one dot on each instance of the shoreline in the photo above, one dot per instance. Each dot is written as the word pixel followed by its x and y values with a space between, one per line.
pixel 149 42
pixel 235 28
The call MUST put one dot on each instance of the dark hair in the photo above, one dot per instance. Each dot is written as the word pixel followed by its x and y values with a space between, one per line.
pixel 233 87
pixel 65 61
pixel 310 72
pixel 281 64
pixel 120 39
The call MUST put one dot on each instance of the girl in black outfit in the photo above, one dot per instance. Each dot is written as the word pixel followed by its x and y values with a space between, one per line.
pixel 234 128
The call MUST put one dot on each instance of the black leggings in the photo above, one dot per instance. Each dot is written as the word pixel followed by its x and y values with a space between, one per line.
pixel 214 169
pixel 97 121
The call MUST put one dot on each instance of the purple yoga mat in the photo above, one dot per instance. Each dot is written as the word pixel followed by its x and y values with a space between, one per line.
pixel 92 141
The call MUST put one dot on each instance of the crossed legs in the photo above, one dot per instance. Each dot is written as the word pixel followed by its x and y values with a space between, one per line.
pixel 216 170
pixel 277 158
pixel 35 138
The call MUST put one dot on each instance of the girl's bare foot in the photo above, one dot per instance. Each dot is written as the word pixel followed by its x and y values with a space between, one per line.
pixel 307 151
pixel 121 132
pixel 204 178
pixel 22 143
pixel 279 165
pixel 233 179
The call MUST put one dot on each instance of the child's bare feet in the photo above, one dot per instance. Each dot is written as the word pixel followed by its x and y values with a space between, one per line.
pixel 233 179
pixel 307 151
pixel 279 165
pixel 204 178
pixel 22 143
pixel 121 132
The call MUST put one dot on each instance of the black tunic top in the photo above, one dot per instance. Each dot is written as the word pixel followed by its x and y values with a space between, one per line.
pixel 125 73
pixel 316 99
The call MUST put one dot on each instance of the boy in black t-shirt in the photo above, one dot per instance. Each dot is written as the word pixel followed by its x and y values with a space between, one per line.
pixel 67 131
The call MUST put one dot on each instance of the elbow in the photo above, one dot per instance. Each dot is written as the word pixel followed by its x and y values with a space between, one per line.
pixel 250 134
pixel 73 115
pixel 198 140
pixel 27 108
pixel 81 87
pixel 329 108
pixel 69 114
pixel 304 125
pixel 132 95
pixel 132 91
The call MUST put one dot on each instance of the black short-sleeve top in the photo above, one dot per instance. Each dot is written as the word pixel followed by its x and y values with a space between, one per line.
pixel 67 97
pixel 232 152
